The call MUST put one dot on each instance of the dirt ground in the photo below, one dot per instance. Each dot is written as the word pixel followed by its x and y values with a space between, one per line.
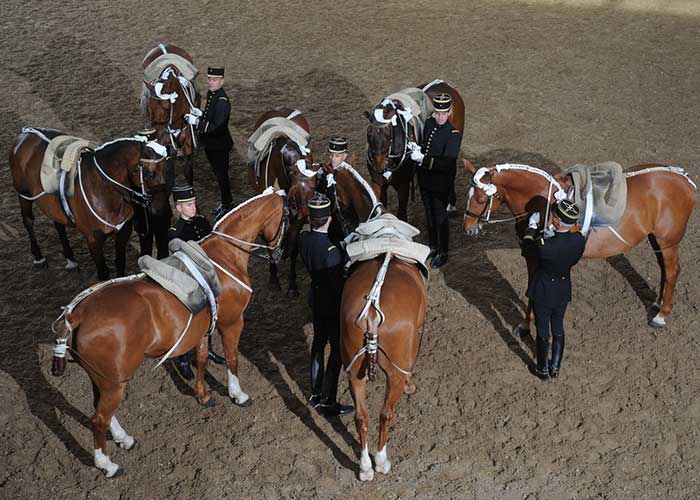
pixel 572 81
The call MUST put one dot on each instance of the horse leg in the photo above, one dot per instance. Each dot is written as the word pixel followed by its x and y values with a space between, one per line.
pixel 274 282
pixel 201 358
pixel 188 169
pixel 108 401
pixel 660 259
pixel 71 264
pixel 231 336
pixel 394 389
pixel 358 392
pixel 293 245
pixel 96 247
pixel 28 221
pixel 123 440
pixel 671 271
pixel 120 243
pixel 403 192
pixel 523 328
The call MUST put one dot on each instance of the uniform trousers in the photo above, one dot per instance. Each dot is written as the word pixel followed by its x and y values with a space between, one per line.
pixel 435 204
pixel 219 163
pixel 325 384
pixel 548 316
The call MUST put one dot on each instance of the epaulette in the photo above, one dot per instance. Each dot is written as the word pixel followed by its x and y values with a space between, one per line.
pixel 332 247
pixel 455 131
pixel 224 98
pixel 172 229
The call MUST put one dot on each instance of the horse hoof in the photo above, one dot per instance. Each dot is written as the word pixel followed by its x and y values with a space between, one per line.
pixel 209 403
pixel 40 264
pixel 366 475
pixel 520 332
pixel 71 266
pixel 383 468
pixel 117 473
pixel 292 293
pixel 245 404
pixel 657 322
pixel 58 366
pixel 127 446
pixel 409 386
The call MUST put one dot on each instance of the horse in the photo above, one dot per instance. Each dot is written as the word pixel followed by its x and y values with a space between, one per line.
pixel 278 166
pixel 167 98
pixel 388 134
pixel 108 179
pixel 113 327
pixel 660 200
pixel 403 314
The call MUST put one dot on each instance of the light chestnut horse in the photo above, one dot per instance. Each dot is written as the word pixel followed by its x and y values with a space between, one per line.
pixel 388 157
pixel 108 179
pixel 660 201
pixel 403 304
pixel 116 326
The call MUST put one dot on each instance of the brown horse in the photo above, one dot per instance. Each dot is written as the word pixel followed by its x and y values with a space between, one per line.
pixel 110 341
pixel 108 179
pixel 388 134
pixel 166 100
pixel 277 167
pixel 660 200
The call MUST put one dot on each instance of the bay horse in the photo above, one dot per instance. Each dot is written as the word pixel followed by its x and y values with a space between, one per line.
pixel 109 178
pixel 117 324
pixel 660 200
pixel 277 167
pixel 167 99
pixel 403 308
pixel 388 134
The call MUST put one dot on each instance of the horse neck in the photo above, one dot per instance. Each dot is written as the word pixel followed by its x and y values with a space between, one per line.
pixel 116 161
pixel 521 188
pixel 361 199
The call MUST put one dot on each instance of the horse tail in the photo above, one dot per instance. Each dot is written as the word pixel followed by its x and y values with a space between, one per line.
pixel 371 343
pixel 65 325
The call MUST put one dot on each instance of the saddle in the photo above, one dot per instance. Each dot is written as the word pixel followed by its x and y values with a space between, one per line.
pixel 600 191
pixel 268 131
pixel 173 274
pixel 158 65
pixel 419 103
pixel 58 166
pixel 385 234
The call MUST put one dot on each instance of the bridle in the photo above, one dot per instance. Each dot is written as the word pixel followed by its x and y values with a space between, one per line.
pixel 400 155
pixel 488 206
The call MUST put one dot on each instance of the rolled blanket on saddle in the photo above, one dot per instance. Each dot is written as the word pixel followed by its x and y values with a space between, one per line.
pixel 158 65
pixel 385 234
pixel 60 159
pixel 420 105
pixel 173 275
pixel 600 191
pixel 272 128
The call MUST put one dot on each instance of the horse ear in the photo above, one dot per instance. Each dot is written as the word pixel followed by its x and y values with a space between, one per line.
pixel 468 167
pixel 367 115
pixel 353 159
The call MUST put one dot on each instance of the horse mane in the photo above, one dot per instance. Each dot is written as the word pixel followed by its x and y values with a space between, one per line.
pixel 240 206
pixel 108 145
pixel 361 180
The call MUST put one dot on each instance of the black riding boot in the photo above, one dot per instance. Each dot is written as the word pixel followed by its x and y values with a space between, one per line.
pixel 557 354
pixel 182 364
pixel 329 405
pixel 316 378
pixel 219 360
pixel 540 370
pixel 444 240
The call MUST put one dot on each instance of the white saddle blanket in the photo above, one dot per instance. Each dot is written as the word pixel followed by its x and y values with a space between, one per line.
pixel 420 105
pixel 155 69
pixel 271 129
pixel 62 155
pixel 601 193
pixel 172 274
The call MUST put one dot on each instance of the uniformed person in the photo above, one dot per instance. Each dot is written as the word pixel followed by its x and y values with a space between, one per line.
pixel 189 227
pixel 550 287
pixel 149 225
pixel 325 265
pixel 337 154
pixel 215 136
pixel 437 167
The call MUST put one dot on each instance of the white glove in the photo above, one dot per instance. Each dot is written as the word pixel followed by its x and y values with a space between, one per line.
pixel 417 156
pixel 534 220
pixel 191 119
pixel 196 112
pixel 413 146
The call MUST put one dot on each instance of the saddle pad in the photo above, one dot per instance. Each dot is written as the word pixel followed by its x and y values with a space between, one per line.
pixel 420 104
pixel 605 185
pixel 386 225
pixel 199 257
pixel 62 154
pixel 158 65
pixel 171 276
pixel 271 129
pixel 408 251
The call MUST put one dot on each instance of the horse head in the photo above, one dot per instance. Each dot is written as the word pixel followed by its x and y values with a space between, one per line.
pixel 387 139
pixel 302 174
pixel 483 197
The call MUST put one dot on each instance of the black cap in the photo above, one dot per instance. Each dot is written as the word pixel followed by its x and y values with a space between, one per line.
pixel 338 144
pixel 216 71
pixel 567 211
pixel 149 133
pixel 319 207
pixel 183 193
pixel 442 102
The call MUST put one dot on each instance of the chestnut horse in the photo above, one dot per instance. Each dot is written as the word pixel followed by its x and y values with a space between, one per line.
pixel 403 306
pixel 110 341
pixel 277 167
pixel 660 200
pixel 388 157
pixel 107 179
pixel 166 100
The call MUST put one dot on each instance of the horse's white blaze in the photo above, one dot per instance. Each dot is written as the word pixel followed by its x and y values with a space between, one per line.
pixel 381 462
pixel 103 463
pixel 234 389
pixel 119 434
pixel 366 472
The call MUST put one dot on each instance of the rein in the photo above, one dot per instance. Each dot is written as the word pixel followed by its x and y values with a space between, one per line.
pixel 388 172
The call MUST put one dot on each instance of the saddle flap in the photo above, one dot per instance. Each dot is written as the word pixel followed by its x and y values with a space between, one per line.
pixel 201 260
pixel 168 274
pixel 605 185
pixel 62 155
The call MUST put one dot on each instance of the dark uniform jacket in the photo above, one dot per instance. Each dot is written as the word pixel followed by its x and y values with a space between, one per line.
pixel 441 147
pixel 213 125
pixel 325 265
pixel 193 229
pixel 551 285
